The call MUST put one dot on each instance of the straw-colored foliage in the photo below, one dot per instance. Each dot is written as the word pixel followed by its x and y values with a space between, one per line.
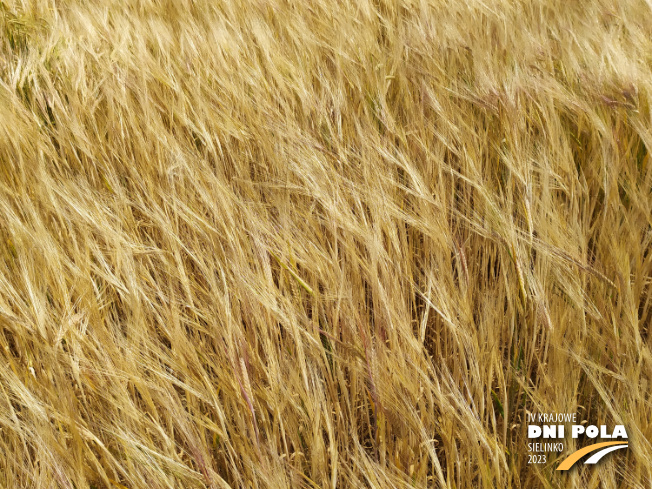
pixel 288 243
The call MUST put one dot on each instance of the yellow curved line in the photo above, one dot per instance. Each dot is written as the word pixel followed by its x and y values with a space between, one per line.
pixel 575 456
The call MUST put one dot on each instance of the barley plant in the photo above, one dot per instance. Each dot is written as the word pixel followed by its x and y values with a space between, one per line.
pixel 322 243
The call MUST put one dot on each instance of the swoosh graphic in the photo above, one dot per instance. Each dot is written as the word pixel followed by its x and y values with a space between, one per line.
pixel 575 456
pixel 595 458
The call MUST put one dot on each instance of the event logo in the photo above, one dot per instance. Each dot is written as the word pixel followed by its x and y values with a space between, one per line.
pixel 546 430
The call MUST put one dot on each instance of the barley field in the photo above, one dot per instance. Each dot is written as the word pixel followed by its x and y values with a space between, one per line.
pixel 322 243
